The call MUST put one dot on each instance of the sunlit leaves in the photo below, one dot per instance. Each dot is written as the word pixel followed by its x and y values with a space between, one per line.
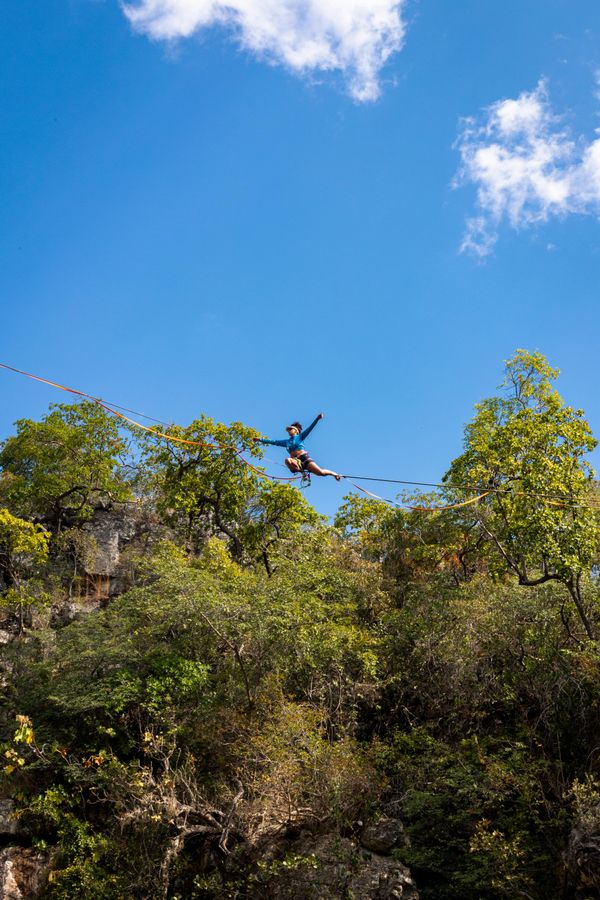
pixel 61 468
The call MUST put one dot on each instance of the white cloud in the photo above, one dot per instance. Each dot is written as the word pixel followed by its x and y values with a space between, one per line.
pixel 527 168
pixel 355 37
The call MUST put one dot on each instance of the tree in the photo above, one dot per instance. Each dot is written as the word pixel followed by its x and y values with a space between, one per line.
pixel 206 489
pixel 276 515
pixel 23 547
pixel 414 545
pixel 58 470
pixel 212 706
pixel 19 541
pixel 529 448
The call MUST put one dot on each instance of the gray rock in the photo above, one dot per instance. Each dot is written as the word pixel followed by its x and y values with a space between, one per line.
pixel 583 861
pixel 104 569
pixel 111 529
pixel 67 611
pixel 337 867
pixel 23 873
pixel 383 835
pixel 8 822
pixel 115 530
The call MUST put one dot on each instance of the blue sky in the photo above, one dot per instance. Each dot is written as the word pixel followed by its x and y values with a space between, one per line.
pixel 191 225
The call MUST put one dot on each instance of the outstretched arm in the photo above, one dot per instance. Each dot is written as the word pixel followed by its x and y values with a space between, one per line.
pixel 273 443
pixel 308 430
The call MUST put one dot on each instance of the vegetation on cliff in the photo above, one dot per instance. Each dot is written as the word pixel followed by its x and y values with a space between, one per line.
pixel 263 674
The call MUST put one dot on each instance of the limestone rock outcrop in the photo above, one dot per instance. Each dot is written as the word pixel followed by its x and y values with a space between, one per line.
pixel 342 868
pixel 23 873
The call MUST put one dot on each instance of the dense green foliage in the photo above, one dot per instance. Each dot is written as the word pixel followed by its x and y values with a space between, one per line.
pixel 260 674
pixel 59 470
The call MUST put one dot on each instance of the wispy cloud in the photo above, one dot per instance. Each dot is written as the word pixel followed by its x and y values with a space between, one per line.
pixel 527 168
pixel 355 37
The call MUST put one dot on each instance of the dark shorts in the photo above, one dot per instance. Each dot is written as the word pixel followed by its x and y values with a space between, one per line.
pixel 304 459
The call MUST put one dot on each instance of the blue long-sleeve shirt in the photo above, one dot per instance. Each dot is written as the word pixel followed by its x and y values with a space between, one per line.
pixel 294 443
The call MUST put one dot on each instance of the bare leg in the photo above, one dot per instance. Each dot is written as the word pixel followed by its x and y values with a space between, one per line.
pixel 316 470
pixel 293 465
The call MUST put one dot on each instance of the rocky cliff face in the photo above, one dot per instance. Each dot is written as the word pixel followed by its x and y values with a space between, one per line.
pixel 111 535
pixel 583 857
pixel 114 534
pixel 23 870
pixel 339 867
pixel 23 873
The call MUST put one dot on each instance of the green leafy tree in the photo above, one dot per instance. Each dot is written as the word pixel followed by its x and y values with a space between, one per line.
pixel 276 516
pixel 211 703
pixel 20 542
pixel 205 489
pixel 264 676
pixel 531 448
pixel 58 470
pixel 414 546
pixel 23 550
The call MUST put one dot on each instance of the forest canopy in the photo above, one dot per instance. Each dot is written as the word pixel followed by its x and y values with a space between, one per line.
pixel 187 709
